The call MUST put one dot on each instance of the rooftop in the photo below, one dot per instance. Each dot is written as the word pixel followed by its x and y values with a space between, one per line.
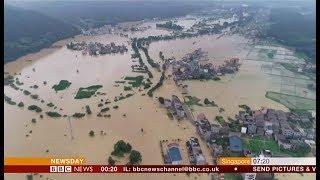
pixel 235 143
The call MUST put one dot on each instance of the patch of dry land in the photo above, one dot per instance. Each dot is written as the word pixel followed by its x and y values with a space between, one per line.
pixel 68 136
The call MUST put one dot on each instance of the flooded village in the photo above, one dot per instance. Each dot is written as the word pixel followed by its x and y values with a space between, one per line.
pixel 95 48
pixel 183 96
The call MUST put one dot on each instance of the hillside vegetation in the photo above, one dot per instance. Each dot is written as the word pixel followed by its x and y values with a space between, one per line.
pixel 27 31
pixel 294 29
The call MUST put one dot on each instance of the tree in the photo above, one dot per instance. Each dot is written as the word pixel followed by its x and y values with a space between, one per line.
pixel 161 100
pixel 129 147
pixel 91 133
pixel 21 104
pixel 111 161
pixel 120 148
pixel 135 157
pixel 206 101
pixel 88 110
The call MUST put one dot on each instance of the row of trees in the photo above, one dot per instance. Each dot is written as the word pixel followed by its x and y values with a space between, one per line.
pixel 135 47
pixel 150 92
pixel 170 25
pixel 150 61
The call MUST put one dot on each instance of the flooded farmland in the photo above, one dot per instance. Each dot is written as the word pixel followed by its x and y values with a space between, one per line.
pixel 64 137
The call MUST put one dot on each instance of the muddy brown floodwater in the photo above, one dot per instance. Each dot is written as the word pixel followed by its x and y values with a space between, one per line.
pixel 248 86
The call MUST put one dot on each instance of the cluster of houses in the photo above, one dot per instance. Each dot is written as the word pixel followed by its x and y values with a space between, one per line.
pixel 106 29
pixel 276 123
pixel 189 67
pixel 95 48
pixel 209 133
pixel 231 66
pixel 194 66
pixel 194 152
pixel 306 67
pixel 137 28
pixel 176 106
pixel 109 29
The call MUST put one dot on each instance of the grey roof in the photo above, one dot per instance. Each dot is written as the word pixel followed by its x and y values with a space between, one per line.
pixel 235 143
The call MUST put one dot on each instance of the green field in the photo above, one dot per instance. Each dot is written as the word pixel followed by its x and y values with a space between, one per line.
pixel 257 144
pixel 292 101
pixel 87 92
pixel 134 81
pixel 221 121
pixel 271 54
pixel 289 66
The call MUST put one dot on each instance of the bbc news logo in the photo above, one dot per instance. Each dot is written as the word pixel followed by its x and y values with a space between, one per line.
pixel 60 169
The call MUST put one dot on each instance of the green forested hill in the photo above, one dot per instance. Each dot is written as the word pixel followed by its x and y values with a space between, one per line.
pixel 37 24
pixel 27 31
pixel 294 29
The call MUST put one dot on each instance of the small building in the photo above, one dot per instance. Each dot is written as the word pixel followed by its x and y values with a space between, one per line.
pixel 204 127
pixel 310 142
pixel 260 131
pixel 215 129
pixel 252 128
pixel 287 131
pixel 243 130
pixel 235 143
pixel 278 137
pixel 296 143
pixel 167 103
pixel 304 119
pixel 297 134
pixel 284 143
pixel 269 131
pixel 249 176
pixel 311 134
pixel 282 116
pixel 266 153
pixel 201 116
pixel 247 153
pixel 268 127
pixel 180 112
pixel 195 152
pixel 200 160
pixel 184 89
pixel 264 176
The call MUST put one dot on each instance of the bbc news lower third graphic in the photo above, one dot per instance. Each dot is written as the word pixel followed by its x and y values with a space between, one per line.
pixel 225 165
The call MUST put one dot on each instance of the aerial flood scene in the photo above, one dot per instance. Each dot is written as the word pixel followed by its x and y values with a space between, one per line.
pixel 194 84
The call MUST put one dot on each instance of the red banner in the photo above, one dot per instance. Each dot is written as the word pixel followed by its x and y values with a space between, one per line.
pixel 157 169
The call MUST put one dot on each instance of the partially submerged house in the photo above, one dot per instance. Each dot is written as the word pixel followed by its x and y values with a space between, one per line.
pixel 194 152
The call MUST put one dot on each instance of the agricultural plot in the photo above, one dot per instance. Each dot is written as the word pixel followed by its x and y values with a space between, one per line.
pixel 292 101
pixel 134 81
pixel 289 82
pixel 87 92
